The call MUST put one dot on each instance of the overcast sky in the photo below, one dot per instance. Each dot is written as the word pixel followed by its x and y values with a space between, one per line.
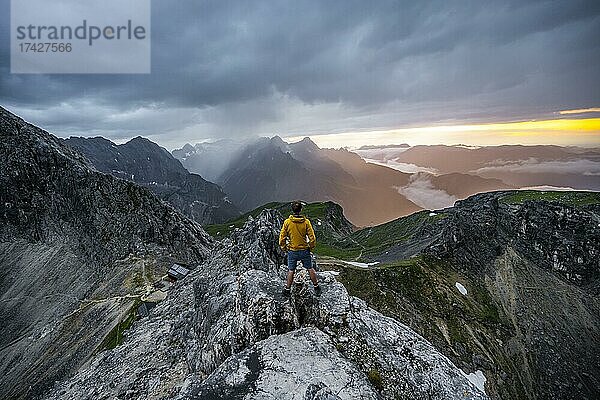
pixel 295 68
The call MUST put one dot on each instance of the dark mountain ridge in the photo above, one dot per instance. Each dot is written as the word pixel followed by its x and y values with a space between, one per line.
pixel 77 250
pixel 144 162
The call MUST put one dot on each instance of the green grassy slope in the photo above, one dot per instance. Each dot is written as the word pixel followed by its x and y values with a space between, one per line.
pixel 572 198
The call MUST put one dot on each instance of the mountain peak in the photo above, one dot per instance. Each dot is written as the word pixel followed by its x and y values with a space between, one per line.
pixel 188 148
pixel 308 141
pixel 306 144
pixel 146 163
pixel 140 140
pixel 278 141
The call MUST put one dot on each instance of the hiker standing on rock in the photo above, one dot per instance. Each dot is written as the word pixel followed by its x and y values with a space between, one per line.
pixel 297 237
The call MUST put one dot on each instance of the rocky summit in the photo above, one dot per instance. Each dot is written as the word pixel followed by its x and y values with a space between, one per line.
pixel 226 332
pixel 505 284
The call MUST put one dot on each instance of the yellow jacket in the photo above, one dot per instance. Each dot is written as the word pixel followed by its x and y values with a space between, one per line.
pixel 297 230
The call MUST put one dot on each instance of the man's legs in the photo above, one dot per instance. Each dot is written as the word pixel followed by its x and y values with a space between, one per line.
pixel 290 279
pixel 292 260
pixel 307 263
pixel 311 272
pixel 305 257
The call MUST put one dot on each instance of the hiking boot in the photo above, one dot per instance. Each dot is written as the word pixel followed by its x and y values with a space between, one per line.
pixel 286 292
pixel 317 290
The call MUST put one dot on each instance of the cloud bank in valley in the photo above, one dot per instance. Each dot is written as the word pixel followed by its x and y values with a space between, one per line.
pixel 421 191
pixel 533 166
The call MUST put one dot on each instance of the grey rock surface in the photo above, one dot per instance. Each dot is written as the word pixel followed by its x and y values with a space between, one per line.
pixel 559 237
pixel 77 248
pixel 227 332
pixel 531 318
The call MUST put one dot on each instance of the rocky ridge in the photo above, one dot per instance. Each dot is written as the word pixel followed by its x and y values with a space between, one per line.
pixel 528 265
pixel 226 332
pixel 149 165
pixel 77 250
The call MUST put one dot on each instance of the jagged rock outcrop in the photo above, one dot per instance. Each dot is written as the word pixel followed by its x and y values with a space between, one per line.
pixel 147 164
pixel 227 332
pixel 541 262
pixel 77 247
pixel 556 236
pixel 529 266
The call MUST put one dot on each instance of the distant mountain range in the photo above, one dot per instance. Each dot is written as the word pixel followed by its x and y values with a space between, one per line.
pixel 374 184
pixel 266 169
pixel 146 163
pixel 519 166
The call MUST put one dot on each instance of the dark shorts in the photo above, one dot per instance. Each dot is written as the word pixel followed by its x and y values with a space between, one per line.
pixel 299 255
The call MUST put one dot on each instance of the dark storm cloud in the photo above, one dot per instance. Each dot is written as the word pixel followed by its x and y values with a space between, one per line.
pixel 233 62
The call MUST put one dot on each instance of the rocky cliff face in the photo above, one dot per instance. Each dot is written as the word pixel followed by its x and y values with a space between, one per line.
pixel 540 260
pixel 504 282
pixel 225 332
pixel 77 248
pixel 559 236
pixel 149 165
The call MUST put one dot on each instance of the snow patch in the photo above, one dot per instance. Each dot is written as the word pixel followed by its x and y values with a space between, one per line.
pixel 432 214
pixel 478 379
pixel 461 288
pixel 361 265
pixel 548 188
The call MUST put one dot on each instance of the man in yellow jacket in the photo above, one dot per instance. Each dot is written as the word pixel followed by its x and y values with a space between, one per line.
pixel 297 237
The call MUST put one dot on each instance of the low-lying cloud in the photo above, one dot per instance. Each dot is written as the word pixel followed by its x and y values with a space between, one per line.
pixel 421 191
pixel 534 166
pixel 387 156
pixel 403 167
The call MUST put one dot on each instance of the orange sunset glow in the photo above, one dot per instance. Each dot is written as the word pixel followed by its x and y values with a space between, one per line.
pixel 569 132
